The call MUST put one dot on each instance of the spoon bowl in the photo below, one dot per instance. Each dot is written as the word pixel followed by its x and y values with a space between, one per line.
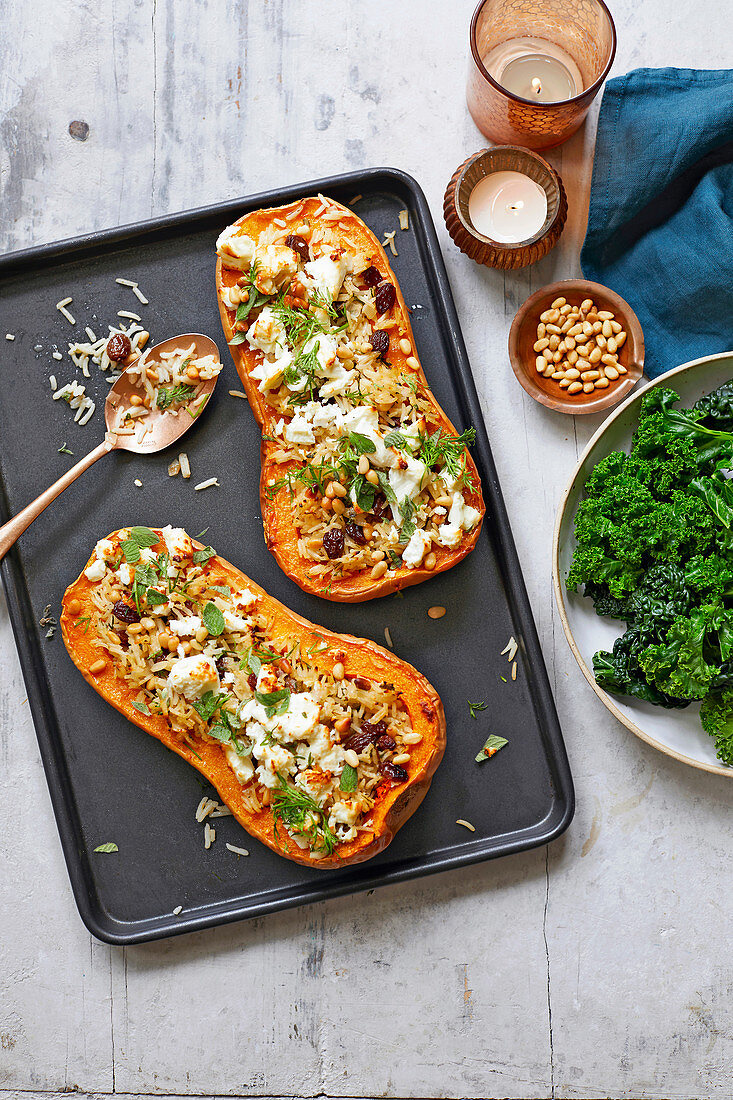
pixel 164 427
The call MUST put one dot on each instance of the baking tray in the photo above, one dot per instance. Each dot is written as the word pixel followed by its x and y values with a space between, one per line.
pixel 108 780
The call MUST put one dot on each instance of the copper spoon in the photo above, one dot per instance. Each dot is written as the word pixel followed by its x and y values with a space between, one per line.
pixel 164 429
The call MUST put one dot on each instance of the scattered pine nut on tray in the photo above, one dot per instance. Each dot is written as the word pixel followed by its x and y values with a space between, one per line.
pixel 578 346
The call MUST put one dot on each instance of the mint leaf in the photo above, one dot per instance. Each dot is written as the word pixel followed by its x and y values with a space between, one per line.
pixel 155 598
pixel 143 537
pixel 108 847
pixel 213 620
pixel 201 556
pixel 274 702
pixel 397 440
pixel 386 487
pixel 142 707
pixel 491 746
pixel 349 779
pixel 131 550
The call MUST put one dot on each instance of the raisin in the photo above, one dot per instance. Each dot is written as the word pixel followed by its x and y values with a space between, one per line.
pixel 220 663
pixel 118 347
pixel 252 681
pixel 379 340
pixel 333 542
pixel 385 743
pixel 125 612
pixel 354 531
pixel 374 729
pixel 385 297
pixel 298 245
pixel 393 772
pixel 372 276
pixel 358 742
pixel 379 507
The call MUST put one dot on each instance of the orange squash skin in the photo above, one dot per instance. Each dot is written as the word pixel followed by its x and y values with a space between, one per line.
pixel 359 657
pixel 281 534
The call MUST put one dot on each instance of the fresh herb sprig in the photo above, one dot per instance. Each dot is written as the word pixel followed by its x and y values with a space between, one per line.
pixel 179 394
pixel 301 814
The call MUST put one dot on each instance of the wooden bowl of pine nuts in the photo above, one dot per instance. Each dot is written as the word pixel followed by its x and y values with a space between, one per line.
pixel 577 347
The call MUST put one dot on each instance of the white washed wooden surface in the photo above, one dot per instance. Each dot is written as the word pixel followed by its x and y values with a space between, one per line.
pixel 598 969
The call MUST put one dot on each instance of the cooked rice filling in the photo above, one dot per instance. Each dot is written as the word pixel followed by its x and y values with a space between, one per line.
pixel 203 654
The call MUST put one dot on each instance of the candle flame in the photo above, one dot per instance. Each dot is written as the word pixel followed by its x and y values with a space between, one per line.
pixel 536 85
pixel 518 205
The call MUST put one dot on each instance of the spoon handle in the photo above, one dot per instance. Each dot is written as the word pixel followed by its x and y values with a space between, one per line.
pixel 11 531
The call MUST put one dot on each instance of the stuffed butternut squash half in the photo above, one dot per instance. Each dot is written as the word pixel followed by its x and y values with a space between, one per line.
pixel 322 745
pixel 366 486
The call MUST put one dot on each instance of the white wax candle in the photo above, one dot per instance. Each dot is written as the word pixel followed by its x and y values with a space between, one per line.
pixel 535 69
pixel 507 207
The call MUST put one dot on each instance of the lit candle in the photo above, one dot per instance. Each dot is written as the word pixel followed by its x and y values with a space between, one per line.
pixel 535 69
pixel 507 207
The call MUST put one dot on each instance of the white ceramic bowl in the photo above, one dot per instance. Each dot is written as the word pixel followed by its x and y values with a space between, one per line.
pixel 675 732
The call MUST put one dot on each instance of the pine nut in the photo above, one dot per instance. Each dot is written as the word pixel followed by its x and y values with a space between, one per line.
pixel 575 330
pixel 401 758
pixel 554 343
pixel 377 555
pixel 591 316
pixel 540 362
pixel 134 628
pixel 338 671
pixel 367 531
pixel 147 624
pixel 379 570
pixel 412 363
pixel 412 738
pixel 338 506
pixel 572 374
pixel 615 326
pixel 597 327
pixel 342 725
pixel 430 561
pixel 554 330
pixel 192 373
pixel 595 355
pixel 565 382
pixel 575 387
pixel 344 353
pixel 572 356
pixel 541 344
pixel 605 315
pixel 590 375
pixel 588 387
pixel 581 338
pixel 363 466
pixel 601 342
pixel 564 310
pixel 566 325
pixel 558 302
pixel 372 477
pixel 611 372
pixel 351 758
pixel 338 489
pixel 74 607
pixel 405 347
pixel 436 612
pixel 612 360
pixel 583 351
pixel 136 400
pixel 330 491
pixel 556 356
pixel 546 316
pixel 606 329
pixel 558 374
pixel 602 384
pixel 562 346
pixel 620 339
pixel 540 331
pixel 98 666
pixel 620 369
pixel 569 342
pixel 201 635
pixel 547 372
pixel 612 345
pixel 586 304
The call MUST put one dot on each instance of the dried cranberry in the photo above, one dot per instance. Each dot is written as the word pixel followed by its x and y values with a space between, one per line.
pixel 385 297
pixel 393 772
pixel 252 681
pixel 333 542
pixel 358 742
pixel 379 507
pixel 385 743
pixel 379 340
pixel 298 245
pixel 372 276
pixel 125 612
pixel 374 729
pixel 354 531
pixel 118 347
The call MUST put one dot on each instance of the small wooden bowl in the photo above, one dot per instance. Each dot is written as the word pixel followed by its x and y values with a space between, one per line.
pixel 523 336
pixel 504 158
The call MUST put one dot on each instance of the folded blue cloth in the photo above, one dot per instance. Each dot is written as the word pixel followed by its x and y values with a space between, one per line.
pixel 660 224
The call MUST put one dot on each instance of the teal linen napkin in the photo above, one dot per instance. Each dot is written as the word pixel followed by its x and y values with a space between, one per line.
pixel 660 223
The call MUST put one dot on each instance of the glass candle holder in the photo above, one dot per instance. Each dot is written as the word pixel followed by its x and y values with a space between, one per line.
pixel 580 39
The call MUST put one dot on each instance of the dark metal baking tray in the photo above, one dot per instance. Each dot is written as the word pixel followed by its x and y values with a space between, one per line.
pixel 111 782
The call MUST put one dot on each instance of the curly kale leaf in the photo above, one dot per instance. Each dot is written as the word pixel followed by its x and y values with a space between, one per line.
pixel 660 422
pixel 716 715
pixel 619 672
pixel 716 407
pixel 686 663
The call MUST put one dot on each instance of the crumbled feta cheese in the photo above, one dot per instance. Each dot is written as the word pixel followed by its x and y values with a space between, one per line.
pixel 339 380
pixel 125 574
pixel 420 542
pixel 194 676
pixel 244 599
pixel 240 765
pixel 276 264
pixel 106 550
pixel 363 418
pixel 236 249
pixel 269 373
pixel 406 482
pixel 325 754
pixel 177 543
pixel 323 416
pixel 267 333
pixel 345 812
pixel 325 353
pixel 299 430
pixel 462 514
pixel 96 570
pixel 326 274
pixel 185 627
pixel 235 622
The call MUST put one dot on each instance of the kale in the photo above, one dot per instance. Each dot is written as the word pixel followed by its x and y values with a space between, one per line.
pixel 654 549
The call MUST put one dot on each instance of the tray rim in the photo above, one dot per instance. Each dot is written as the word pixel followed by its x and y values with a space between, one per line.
pixel 122 933
pixel 563 518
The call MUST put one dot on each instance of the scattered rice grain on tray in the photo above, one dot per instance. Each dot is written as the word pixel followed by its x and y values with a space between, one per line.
pixel 126 282
pixel 179 908
pixel 174 468
pixel 209 836
pixel 510 649
pixel 388 242
pixel 61 307
pixel 355 199
pixel 238 393
pixel 9 336
pixel 52 382
pixel 57 355
pixel 208 484
pixel 237 851
pixel 139 295
pixel 128 315
pixel 388 637
pixel 184 465
pixel 204 808
pixel 404 219
pixel 466 825
pixel 138 482
pixel 514 671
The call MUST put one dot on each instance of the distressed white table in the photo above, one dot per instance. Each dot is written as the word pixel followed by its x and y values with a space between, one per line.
pixel 597 968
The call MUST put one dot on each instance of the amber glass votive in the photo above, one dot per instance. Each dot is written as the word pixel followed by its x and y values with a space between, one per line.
pixel 583 29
